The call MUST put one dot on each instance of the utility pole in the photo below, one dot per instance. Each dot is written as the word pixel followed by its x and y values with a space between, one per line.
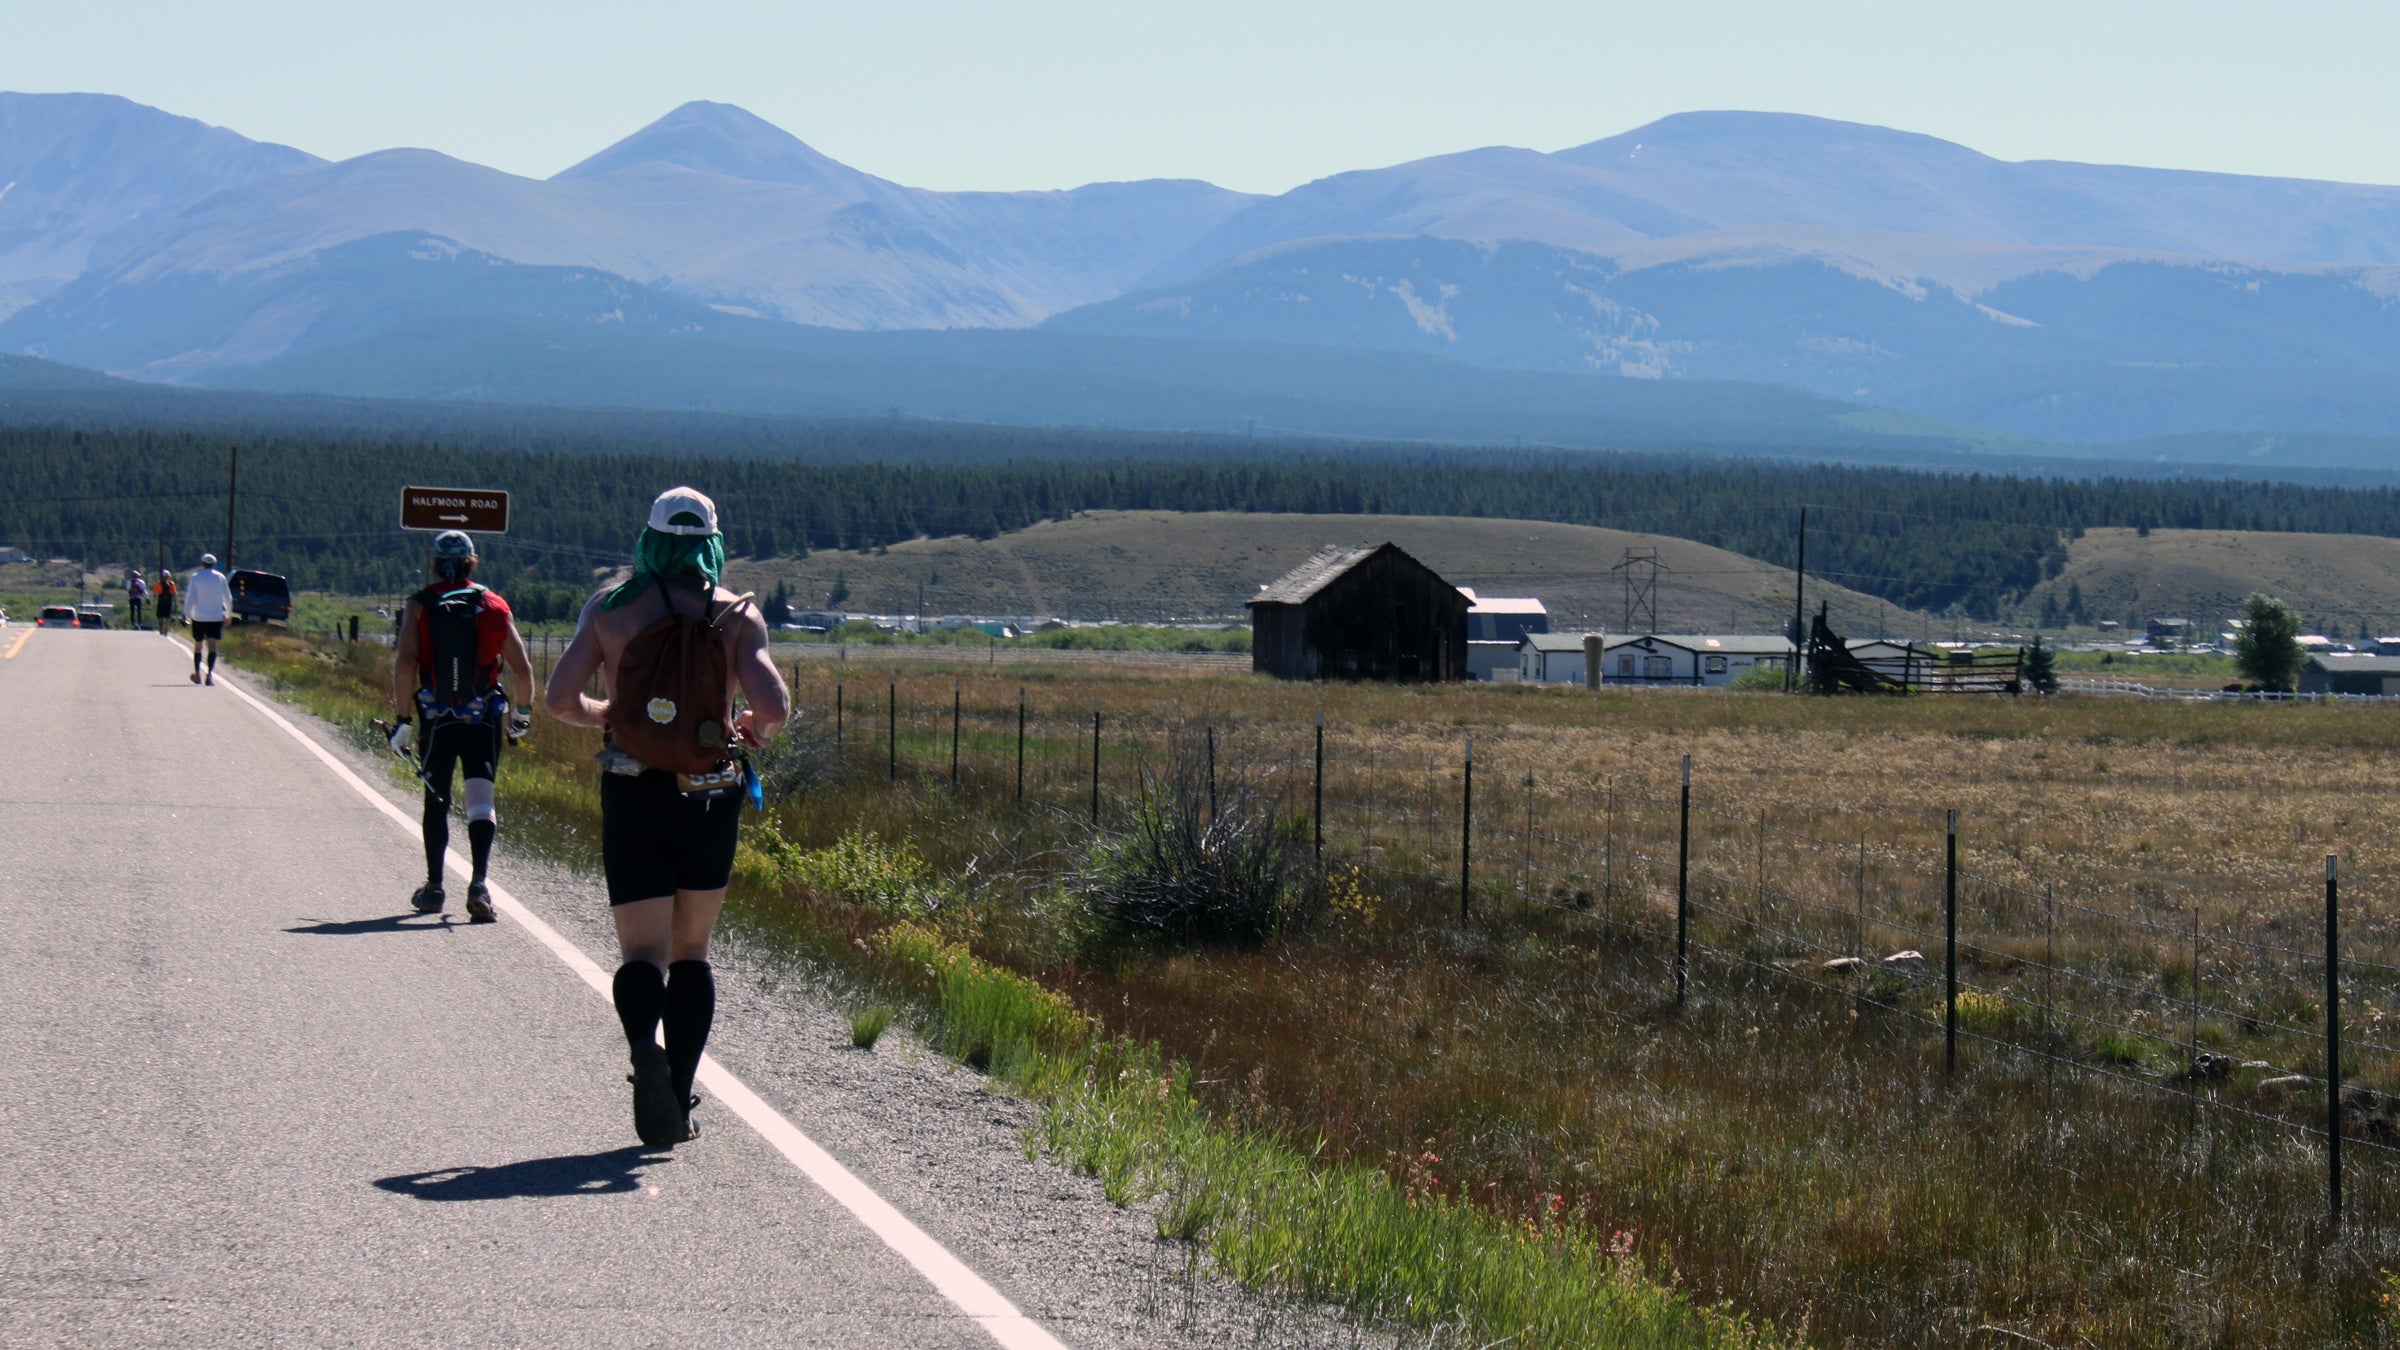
pixel 1791 672
pixel 233 482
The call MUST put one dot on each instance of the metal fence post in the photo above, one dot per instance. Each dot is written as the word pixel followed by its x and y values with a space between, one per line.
pixel 891 728
pixel 1095 764
pixel 1317 812
pixel 837 717
pixel 2333 1043
pixel 1683 886
pixel 957 698
pixel 1950 951
pixel 1466 833
pixel 1212 775
pixel 1020 745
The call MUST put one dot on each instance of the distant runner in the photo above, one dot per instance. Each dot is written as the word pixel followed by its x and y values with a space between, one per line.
pixel 458 643
pixel 136 591
pixel 166 599
pixel 207 602
pixel 675 648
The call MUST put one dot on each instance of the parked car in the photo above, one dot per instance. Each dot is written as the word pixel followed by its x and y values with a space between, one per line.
pixel 57 616
pixel 262 596
pixel 91 618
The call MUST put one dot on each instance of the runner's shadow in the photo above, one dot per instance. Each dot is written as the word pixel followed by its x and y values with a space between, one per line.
pixel 612 1173
pixel 389 923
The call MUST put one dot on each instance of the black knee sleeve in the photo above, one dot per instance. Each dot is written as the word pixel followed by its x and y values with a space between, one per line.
pixel 641 995
pixel 691 1007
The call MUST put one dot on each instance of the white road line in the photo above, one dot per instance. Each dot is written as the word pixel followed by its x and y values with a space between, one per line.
pixel 969 1292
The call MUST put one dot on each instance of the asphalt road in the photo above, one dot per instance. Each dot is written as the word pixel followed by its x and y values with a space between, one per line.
pixel 246 1101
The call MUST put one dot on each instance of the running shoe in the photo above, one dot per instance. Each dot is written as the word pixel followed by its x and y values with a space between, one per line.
pixel 429 899
pixel 212 678
pixel 195 677
pixel 658 1119
pixel 479 903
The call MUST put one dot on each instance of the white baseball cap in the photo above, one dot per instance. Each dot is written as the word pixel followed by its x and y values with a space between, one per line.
pixel 208 560
pixel 683 510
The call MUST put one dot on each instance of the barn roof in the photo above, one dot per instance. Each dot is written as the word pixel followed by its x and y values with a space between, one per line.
pixel 1329 563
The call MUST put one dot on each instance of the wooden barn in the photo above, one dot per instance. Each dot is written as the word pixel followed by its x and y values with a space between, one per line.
pixel 1365 613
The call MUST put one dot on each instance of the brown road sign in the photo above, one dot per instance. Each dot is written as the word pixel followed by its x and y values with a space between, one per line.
pixel 471 509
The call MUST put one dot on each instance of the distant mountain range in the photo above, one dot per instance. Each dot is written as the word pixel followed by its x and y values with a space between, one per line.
pixel 711 260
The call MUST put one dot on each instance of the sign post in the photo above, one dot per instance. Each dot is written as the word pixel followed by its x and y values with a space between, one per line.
pixel 475 510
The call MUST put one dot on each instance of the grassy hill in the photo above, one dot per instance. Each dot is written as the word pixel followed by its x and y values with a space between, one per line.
pixel 1165 564
pixel 2339 582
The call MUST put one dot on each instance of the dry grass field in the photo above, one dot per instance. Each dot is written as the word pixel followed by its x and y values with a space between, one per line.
pixel 2337 581
pixel 1161 564
pixel 1786 1139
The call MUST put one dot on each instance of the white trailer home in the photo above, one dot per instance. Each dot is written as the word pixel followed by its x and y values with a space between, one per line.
pixel 1707 660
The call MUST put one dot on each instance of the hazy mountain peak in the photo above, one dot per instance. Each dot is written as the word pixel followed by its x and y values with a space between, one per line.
pixel 722 139
pixel 1771 132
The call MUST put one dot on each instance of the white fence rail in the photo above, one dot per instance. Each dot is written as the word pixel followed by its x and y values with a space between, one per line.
pixel 2092 684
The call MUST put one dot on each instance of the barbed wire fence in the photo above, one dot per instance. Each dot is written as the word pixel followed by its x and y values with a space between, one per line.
pixel 2182 987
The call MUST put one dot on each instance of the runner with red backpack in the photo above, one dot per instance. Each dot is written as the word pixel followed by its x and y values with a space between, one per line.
pixel 458 652
pixel 675 649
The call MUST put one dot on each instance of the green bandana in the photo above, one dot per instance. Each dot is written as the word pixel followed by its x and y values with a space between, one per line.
pixel 659 556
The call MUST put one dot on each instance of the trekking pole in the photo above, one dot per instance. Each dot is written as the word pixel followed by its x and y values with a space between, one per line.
pixel 415 765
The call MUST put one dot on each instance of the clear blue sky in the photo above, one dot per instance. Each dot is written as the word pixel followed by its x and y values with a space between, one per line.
pixel 1253 94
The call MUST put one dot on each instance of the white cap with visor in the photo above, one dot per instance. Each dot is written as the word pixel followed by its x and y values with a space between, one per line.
pixel 683 510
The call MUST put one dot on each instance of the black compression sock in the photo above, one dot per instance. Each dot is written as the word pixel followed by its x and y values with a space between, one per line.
pixel 212 660
pixel 437 838
pixel 691 1007
pixel 641 993
pixel 479 843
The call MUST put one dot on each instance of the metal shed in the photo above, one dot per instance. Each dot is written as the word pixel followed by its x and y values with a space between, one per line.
pixel 2345 673
pixel 1366 613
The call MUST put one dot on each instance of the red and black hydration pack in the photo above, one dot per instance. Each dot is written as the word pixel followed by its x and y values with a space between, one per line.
pixel 460 631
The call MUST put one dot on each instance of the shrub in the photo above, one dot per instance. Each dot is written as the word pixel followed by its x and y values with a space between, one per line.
pixel 861 869
pixel 1761 676
pixel 1184 872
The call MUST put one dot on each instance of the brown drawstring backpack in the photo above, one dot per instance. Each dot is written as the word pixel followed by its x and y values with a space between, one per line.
pixel 669 708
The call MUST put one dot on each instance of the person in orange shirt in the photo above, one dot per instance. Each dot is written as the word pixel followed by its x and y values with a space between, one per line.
pixel 164 598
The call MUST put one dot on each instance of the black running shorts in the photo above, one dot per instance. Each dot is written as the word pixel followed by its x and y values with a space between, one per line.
pixel 655 841
pixel 472 746
pixel 208 630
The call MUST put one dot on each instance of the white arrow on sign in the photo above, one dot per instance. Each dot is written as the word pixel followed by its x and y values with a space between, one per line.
pixel 460 519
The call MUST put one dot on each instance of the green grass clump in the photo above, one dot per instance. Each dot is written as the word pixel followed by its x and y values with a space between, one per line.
pixel 990 1018
pixel 1275 1218
pixel 867 1026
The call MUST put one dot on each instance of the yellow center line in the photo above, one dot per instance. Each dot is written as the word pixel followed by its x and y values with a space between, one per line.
pixel 12 647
